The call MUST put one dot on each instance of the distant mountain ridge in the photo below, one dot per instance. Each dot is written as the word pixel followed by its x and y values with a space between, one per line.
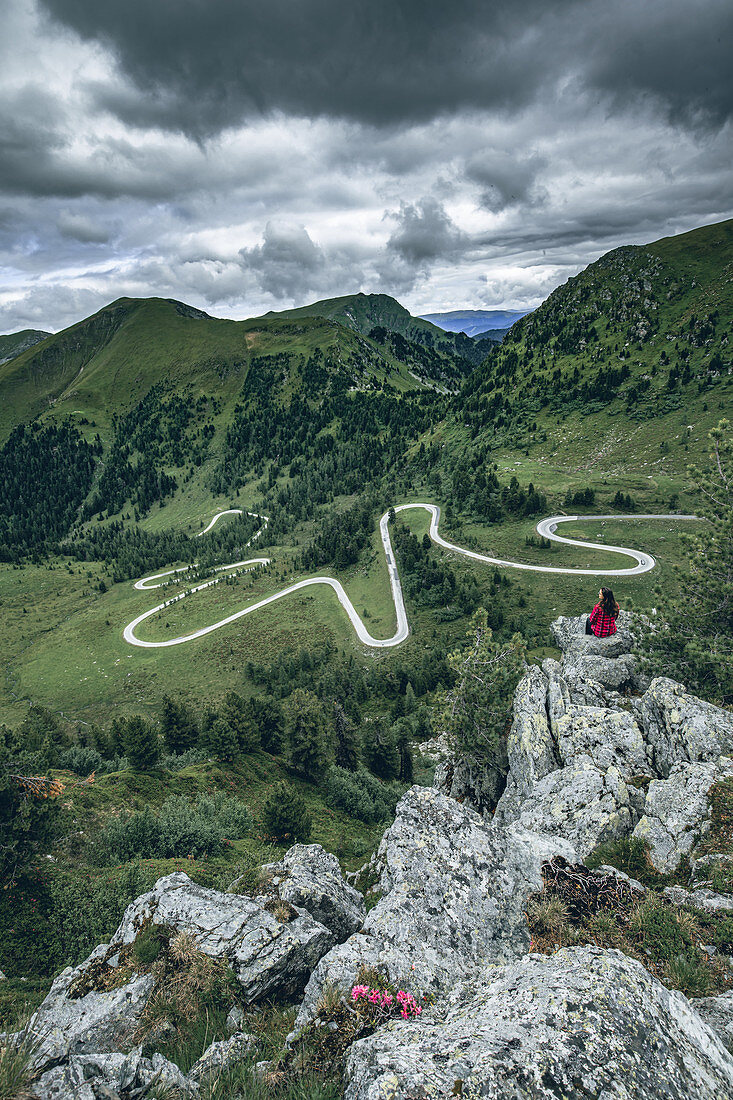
pixel 365 312
pixel 15 343
pixel 476 322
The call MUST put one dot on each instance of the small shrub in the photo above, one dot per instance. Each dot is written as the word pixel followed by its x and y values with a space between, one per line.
pixel 656 924
pixel 320 1047
pixel 149 944
pixel 80 760
pixel 15 1071
pixel 686 973
pixel 360 794
pixel 176 762
pixel 181 828
pixel 286 815
pixel 627 854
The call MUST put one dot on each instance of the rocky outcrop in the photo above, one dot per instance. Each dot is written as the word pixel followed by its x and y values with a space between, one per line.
pixel 570 636
pixel 108 1076
pixel 707 901
pixel 454 890
pixel 98 1021
pixel 611 738
pixel 310 878
pixel 677 811
pixel 477 784
pixel 267 955
pixel 679 728
pixel 220 1056
pixel 96 1007
pixel 531 749
pixel 582 1023
pixel 580 804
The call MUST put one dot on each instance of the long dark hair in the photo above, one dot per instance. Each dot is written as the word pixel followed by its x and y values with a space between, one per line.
pixel 608 603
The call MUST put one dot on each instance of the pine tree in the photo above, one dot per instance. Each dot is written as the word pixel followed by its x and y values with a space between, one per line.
pixel 347 741
pixel 310 751
pixel 142 746
pixel 475 713
pixel 270 720
pixel 217 737
pixel 402 733
pixel 380 751
pixel 178 726
pixel 240 719
pixel 286 815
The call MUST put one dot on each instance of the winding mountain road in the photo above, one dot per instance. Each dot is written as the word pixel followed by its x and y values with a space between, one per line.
pixel 545 528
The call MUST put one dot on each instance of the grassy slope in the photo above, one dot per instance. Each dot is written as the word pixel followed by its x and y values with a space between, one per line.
pixel 108 362
pixel 645 307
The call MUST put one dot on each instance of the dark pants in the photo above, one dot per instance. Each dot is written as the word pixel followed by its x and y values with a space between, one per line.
pixel 588 628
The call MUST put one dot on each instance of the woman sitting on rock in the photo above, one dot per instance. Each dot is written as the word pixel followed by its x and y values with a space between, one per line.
pixel 602 619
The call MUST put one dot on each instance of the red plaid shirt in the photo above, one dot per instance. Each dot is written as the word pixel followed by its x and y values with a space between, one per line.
pixel 601 624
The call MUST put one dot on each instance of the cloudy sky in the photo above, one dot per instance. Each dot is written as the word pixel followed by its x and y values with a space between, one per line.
pixel 246 155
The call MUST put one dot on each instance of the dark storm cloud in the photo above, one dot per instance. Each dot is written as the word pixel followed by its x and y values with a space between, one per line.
pixel 286 261
pixel 202 65
pixel 505 178
pixel 206 64
pixel 290 265
pixel 424 232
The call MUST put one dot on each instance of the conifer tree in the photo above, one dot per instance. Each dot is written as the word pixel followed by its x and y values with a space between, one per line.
pixel 142 745
pixel 346 739
pixel 240 719
pixel 307 731
pixel 270 720
pixel 286 815
pixel 178 726
pixel 217 737
pixel 380 751
pixel 402 733
pixel 475 713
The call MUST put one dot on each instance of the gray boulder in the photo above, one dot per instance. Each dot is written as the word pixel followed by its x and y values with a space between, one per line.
pixel 310 878
pixel 677 811
pixel 99 1021
pixel 477 784
pixel 454 890
pixel 267 956
pixel 681 728
pixel 704 867
pixel 611 673
pixel 220 1056
pixel 582 1023
pixel 92 1076
pixel 717 1012
pixel 95 1008
pixel 707 901
pixel 531 750
pixel 611 738
pixel 569 633
pixel 580 804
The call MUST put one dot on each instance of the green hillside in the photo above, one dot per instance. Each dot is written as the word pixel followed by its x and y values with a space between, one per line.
pixel 366 313
pixel 14 343
pixel 636 347
pixel 108 362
